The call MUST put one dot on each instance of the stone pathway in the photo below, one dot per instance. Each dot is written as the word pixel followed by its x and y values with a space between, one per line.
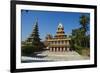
pixel 71 55
pixel 55 56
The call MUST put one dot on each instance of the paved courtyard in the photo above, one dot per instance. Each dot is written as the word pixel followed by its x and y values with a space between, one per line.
pixel 54 56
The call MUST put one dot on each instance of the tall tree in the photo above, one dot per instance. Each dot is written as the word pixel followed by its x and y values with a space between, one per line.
pixel 77 36
pixel 84 21
pixel 36 40
pixel 33 43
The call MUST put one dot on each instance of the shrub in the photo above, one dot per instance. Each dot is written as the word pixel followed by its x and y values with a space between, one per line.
pixel 27 50
pixel 78 49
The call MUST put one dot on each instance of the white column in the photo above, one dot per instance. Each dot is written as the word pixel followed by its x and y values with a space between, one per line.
pixel 53 49
pixel 57 49
pixel 60 49
pixel 47 47
pixel 67 49
pixel 64 49
pixel 50 49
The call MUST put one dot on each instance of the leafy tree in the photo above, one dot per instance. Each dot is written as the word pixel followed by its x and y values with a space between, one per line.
pixel 79 37
pixel 84 21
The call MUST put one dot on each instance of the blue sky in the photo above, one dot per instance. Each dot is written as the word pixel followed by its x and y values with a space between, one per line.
pixel 48 22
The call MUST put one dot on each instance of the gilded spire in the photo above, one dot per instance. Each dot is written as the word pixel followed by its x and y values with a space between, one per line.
pixel 60 25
